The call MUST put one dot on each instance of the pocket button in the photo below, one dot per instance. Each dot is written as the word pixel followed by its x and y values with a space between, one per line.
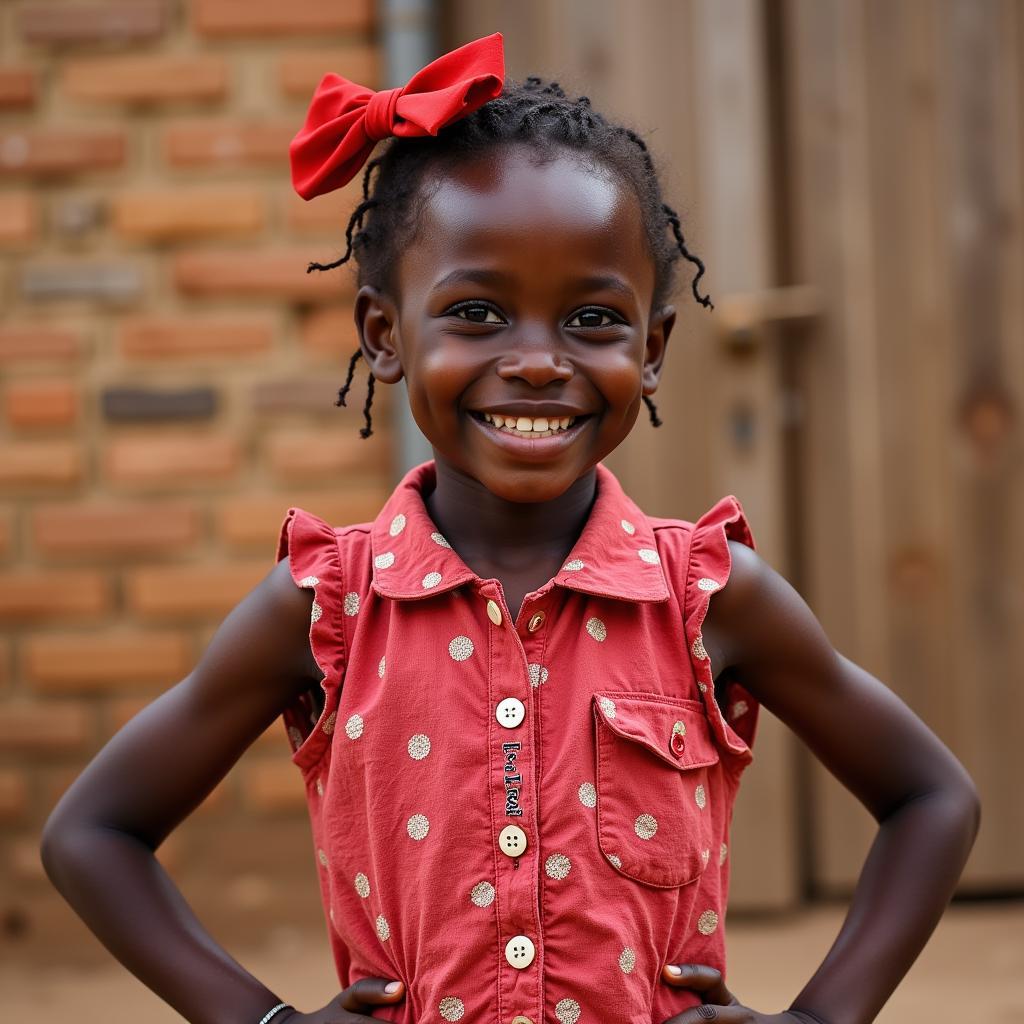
pixel 678 744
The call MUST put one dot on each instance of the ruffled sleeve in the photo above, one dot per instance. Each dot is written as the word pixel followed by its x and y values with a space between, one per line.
pixel 312 549
pixel 734 720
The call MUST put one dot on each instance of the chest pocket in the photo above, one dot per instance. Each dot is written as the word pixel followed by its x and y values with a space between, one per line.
pixel 652 758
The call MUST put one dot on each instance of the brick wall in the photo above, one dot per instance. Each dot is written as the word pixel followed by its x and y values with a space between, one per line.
pixel 169 373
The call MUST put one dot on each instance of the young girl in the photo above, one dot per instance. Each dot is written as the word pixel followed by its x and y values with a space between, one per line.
pixel 520 706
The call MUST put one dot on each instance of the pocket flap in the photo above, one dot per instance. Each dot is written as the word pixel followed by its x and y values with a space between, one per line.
pixel 674 729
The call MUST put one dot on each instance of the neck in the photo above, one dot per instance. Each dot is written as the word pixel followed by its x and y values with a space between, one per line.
pixel 478 524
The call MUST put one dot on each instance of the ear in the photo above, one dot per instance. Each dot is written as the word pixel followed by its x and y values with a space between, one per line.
pixel 660 328
pixel 377 323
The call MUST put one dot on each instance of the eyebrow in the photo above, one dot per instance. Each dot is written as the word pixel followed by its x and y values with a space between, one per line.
pixel 496 277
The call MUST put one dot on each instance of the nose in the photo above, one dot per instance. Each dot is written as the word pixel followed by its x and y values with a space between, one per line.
pixel 535 359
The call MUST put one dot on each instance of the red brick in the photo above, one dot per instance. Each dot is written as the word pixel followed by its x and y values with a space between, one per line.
pixel 272 786
pixel 45 726
pixel 332 332
pixel 151 78
pixel 311 393
pixel 52 151
pixel 319 454
pixel 6 546
pixel 254 521
pixel 191 591
pixel 19 219
pixel 26 863
pixel 228 143
pixel 115 21
pixel 38 343
pixel 13 794
pixel 170 459
pixel 122 659
pixel 40 463
pixel 17 87
pixel 34 402
pixel 113 527
pixel 272 274
pixel 300 71
pixel 193 338
pixel 272 17
pixel 160 215
pixel 57 594
pixel 326 215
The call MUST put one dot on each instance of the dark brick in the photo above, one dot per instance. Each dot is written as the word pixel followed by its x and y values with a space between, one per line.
pixel 131 404
pixel 115 21
pixel 104 282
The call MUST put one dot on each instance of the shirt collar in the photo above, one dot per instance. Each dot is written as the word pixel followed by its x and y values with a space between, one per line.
pixel 615 555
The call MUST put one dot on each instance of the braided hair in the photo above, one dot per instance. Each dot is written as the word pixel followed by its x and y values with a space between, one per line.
pixel 534 112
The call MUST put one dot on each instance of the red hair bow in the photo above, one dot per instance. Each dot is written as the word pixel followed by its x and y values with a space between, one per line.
pixel 345 120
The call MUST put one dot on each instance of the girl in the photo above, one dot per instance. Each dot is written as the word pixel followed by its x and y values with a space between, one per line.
pixel 519 705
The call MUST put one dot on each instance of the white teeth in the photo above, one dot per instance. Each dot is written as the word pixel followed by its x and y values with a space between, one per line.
pixel 542 426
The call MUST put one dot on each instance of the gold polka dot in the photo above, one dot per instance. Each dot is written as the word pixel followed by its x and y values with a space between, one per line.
pixel 439 540
pixel 354 727
pixel 380 667
pixel 308 581
pixel 482 894
pixel 567 1011
pixel 328 726
pixel 320 787
pixel 645 826
pixel 419 746
pixel 723 852
pixel 649 555
pixel 597 629
pixel 322 857
pixel 614 859
pixel 538 674
pixel 627 960
pixel 384 560
pixel 607 706
pixel 700 796
pixel 351 605
pixel 707 922
pixel 418 826
pixel 573 565
pixel 431 580
pixel 383 931
pixel 315 611
pixel 698 648
pixel 397 525
pixel 362 885
pixel 706 583
pixel 587 794
pixel 460 648
pixel 557 865
pixel 451 1008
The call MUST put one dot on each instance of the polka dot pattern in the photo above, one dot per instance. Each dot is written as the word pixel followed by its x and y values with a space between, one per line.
pixel 627 526
pixel 645 826
pixel 723 852
pixel 418 826
pixel 587 794
pixel 451 1008
pixel 567 1011
pixel 482 894
pixel 431 580
pixel 354 727
pixel 419 746
pixel 614 859
pixel 351 604
pixel 397 525
pixel 627 960
pixel 573 565
pixel 460 648
pixel 538 674
pixel 380 667
pixel 439 540
pixel 706 583
pixel 607 706
pixel 383 930
pixel 700 796
pixel 649 555
pixel 707 922
pixel 557 866
pixel 328 726
pixel 362 884
pixel 597 629
pixel 315 612
pixel 308 581
pixel 384 560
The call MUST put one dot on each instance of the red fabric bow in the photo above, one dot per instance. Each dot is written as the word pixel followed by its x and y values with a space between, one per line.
pixel 345 120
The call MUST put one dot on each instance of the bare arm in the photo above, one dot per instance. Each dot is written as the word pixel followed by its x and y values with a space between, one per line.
pixel 926 804
pixel 98 842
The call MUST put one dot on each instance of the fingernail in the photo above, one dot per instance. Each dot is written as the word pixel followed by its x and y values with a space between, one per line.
pixel 672 969
pixel 392 986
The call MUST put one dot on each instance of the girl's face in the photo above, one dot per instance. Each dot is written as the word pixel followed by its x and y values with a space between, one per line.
pixel 526 292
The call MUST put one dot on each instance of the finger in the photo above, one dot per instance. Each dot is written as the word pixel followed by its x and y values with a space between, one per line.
pixel 368 992
pixel 701 978
pixel 709 1013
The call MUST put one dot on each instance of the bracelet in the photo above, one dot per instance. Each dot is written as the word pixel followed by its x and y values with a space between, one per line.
pixel 275 1010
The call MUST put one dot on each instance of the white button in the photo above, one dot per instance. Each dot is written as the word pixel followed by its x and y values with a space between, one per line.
pixel 510 712
pixel 512 840
pixel 520 951
pixel 494 612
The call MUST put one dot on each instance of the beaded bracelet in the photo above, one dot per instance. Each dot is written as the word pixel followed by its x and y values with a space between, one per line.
pixel 275 1010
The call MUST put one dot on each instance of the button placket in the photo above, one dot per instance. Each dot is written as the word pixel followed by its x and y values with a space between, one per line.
pixel 509 692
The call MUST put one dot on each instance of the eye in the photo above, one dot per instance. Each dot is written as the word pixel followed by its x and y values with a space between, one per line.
pixel 593 317
pixel 475 312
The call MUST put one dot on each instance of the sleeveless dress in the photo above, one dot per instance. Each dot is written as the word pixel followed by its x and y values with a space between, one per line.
pixel 522 820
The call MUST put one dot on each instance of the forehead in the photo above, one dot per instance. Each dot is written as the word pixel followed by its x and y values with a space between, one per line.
pixel 557 216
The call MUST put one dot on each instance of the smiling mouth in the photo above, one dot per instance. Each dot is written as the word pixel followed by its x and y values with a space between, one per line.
pixel 527 427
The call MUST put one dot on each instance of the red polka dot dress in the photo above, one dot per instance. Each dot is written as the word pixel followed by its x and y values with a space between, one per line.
pixel 522 819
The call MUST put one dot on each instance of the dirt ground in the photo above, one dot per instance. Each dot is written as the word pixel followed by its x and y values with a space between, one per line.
pixel 972 969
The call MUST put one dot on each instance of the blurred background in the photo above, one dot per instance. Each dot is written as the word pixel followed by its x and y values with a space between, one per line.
pixel 851 173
